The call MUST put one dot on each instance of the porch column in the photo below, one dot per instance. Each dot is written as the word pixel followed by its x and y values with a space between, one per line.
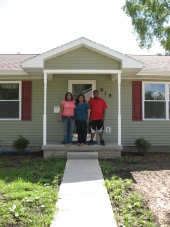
pixel 45 115
pixel 119 108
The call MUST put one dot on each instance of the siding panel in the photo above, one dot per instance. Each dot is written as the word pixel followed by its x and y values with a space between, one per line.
pixel 32 130
pixel 157 132
pixel 82 58
pixel 56 90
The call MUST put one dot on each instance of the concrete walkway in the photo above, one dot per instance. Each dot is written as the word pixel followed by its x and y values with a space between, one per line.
pixel 83 200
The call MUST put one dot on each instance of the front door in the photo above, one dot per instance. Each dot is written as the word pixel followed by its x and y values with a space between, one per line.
pixel 85 87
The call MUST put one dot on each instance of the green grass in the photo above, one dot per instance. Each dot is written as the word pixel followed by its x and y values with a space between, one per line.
pixel 29 190
pixel 129 207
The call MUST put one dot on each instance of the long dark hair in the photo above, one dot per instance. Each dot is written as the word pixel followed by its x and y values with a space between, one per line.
pixel 67 94
pixel 77 99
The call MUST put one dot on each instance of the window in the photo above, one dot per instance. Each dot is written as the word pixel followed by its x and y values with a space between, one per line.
pixel 156 100
pixel 10 100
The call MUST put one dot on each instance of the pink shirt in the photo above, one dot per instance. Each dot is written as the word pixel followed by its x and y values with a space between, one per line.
pixel 68 108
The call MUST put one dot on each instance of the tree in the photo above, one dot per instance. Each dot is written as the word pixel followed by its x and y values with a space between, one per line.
pixel 150 20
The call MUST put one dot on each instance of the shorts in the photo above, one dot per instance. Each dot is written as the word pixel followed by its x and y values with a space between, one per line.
pixel 98 124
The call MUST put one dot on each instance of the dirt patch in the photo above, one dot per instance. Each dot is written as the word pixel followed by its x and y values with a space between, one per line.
pixel 151 175
pixel 18 158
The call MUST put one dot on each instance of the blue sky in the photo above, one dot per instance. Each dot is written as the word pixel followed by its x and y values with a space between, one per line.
pixel 36 26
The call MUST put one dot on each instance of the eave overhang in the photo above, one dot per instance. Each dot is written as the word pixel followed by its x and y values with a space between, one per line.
pixel 38 61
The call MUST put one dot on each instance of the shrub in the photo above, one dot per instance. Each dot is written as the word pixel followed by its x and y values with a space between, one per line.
pixel 142 145
pixel 20 144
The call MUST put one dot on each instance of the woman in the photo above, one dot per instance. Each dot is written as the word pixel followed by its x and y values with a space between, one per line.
pixel 66 115
pixel 82 115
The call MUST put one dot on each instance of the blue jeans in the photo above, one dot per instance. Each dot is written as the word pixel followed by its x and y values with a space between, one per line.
pixel 68 124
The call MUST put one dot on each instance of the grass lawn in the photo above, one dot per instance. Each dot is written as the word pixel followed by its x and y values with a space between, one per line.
pixel 29 190
pixel 139 189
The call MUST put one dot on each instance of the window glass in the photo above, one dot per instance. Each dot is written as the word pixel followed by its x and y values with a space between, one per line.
pixel 9 109
pixel 155 109
pixel 9 91
pixel 85 89
pixel 154 91
pixel 9 100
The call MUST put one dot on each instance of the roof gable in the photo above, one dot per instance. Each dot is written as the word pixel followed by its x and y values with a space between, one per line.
pixel 82 58
pixel 38 61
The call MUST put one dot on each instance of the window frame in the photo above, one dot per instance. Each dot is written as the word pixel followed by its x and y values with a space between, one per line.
pixel 167 100
pixel 20 88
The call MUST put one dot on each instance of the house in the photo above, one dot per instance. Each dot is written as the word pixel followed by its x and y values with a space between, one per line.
pixel 136 89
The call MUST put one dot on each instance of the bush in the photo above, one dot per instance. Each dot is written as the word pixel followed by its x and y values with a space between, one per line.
pixel 142 145
pixel 20 144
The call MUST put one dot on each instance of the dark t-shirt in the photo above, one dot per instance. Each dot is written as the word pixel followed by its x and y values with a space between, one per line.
pixel 80 111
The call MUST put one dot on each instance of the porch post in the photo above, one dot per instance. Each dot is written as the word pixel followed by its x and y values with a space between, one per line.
pixel 45 115
pixel 119 108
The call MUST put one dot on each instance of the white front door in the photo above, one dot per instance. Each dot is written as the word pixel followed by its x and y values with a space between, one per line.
pixel 85 87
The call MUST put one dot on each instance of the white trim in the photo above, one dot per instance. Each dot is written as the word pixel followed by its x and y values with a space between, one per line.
pixel 153 73
pixel 71 82
pixel 166 100
pixel 13 72
pixel 82 71
pixel 38 61
pixel 119 108
pixel 20 100
pixel 45 107
pixel 146 78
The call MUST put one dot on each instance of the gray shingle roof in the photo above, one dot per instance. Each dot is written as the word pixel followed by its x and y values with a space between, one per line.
pixel 153 62
pixel 12 61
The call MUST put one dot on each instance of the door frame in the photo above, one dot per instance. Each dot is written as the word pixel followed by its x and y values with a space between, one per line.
pixel 70 83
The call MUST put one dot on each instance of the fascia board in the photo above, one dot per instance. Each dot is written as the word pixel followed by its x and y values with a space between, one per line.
pixel 153 73
pixel 127 62
pixel 38 61
pixel 13 72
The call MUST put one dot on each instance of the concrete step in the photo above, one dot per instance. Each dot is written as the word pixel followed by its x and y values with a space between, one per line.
pixel 82 155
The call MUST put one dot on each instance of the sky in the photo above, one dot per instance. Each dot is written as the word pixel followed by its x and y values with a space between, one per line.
pixel 36 26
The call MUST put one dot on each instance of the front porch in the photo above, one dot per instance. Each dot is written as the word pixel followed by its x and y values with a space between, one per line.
pixel 57 149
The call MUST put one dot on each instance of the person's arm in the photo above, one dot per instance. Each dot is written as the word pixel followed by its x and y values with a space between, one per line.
pixel 90 110
pixel 88 116
pixel 104 113
pixel 61 111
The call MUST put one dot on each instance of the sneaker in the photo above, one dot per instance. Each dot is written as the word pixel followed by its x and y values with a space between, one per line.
pixel 91 142
pixel 102 142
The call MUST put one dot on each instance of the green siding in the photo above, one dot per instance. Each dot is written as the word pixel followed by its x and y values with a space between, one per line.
pixel 32 130
pixel 82 58
pixel 56 91
pixel 156 131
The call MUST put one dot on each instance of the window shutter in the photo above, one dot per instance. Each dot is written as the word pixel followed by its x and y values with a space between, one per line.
pixel 26 100
pixel 137 100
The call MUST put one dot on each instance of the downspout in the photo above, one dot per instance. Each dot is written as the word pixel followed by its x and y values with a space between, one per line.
pixel 119 109
pixel 45 107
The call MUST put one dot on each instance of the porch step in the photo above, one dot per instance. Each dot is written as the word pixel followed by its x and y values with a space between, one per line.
pixel 56 149
pixel 82 155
